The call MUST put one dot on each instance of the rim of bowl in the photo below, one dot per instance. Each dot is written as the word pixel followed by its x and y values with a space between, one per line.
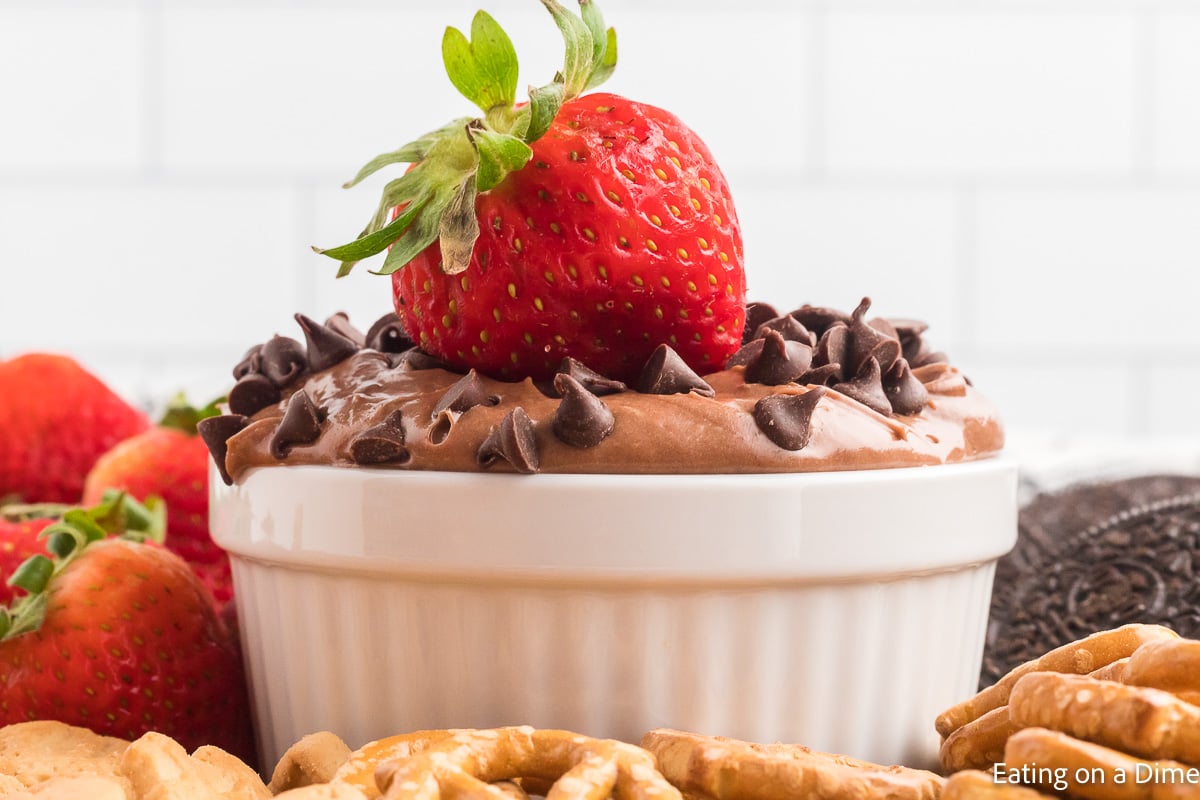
pixel 779 527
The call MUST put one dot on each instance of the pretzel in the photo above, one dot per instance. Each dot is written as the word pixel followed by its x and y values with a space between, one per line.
pixel 728 769
pixel 466 763
pixel 358 768
pixel 978 744
pixel 1172 665
pixel 1134 719
pixel 1081 657
pixel 1116 671
pixel 1087 770
pixel 972 784
pixel 313 760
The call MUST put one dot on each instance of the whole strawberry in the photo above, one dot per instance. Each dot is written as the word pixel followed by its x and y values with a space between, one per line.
pixel 589 226
pixel 119 636
pixel 171 462
pixel 56 419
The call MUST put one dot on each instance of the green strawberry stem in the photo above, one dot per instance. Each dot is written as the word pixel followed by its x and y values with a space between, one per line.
pixel 22 512
pixel 182 416
pixel 456 162
pixel 118 514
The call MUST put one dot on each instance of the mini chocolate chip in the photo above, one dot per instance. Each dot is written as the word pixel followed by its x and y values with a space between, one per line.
pixel 591 380
pixel 786 419
pixel 326 347
pixel 466 393
pixel 833 347
pixel 906 394
pixel 415 359
pixel 756 314
pixel 925 358
pixel 514 441
pixel 301 424
pixel 252 393
pixel 215 432
pixel 908 327
pixel 885 327
pixel 666 373
pixel 250 363
pixel 780 361
pixel 821 375
pixel 283 360
pixel 387 335
pixel 581 419
pixel 745 354
pixel 382 443
pixel 867 388
pixel 340 323
pixel 789 328
pixel 818 320
pixel 866 341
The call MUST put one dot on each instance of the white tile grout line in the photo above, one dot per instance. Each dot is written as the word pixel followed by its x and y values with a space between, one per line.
pixel 1137 377
pixel 153 88
pixel 966 263
pixel 1175 180
pixel 1144 100
pixel 305 210
pixel 817 80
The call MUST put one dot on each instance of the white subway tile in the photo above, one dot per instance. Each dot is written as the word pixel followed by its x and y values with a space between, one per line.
pixel 1072 395
pixel 298 88
pixel 980 92
pixel 1101 271
pixel 1172 395
pixel 323 89
pixel 140 272
pixel 831 247
pixel 71 88
pixel 1176 92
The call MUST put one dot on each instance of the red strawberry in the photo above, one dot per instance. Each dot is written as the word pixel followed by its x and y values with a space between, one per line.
pixel 170 461
pixel 20 527
pixel 587 226
pixel 119 636
pixel 56 419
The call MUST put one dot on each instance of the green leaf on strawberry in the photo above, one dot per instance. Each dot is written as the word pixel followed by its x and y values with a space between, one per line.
pixel 474 154
pixel 120 636
pixel 117 515
pixel 484 69
pixel 183 416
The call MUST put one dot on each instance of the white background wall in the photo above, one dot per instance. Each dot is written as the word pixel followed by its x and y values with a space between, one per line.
pixel 1024 174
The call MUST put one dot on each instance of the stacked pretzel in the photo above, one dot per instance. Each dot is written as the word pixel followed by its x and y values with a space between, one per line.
pixel 1113 715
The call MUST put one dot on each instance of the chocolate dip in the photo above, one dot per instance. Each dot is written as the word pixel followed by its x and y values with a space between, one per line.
pixel 404 411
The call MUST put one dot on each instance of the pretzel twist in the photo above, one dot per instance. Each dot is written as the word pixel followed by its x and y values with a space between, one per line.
pixel 470 763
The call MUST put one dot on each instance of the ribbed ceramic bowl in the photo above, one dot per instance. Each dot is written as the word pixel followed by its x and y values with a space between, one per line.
pixel 838 610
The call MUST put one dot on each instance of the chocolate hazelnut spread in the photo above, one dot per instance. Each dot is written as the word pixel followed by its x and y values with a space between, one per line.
pixel 840 393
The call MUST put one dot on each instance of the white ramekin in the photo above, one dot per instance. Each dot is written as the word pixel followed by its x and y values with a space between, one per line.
pixel 839 610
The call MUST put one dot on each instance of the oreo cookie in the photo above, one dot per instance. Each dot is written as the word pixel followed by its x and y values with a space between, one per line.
pixel 1095 557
